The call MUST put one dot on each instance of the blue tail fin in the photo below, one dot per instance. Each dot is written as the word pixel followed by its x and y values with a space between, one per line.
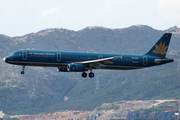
pixel 161 47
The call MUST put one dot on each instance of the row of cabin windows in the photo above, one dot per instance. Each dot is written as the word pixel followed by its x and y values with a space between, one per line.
pixel 78 57
pixel 94 58
pixel 42 56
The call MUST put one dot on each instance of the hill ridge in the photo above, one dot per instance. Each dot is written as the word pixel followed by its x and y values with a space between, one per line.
pixel 49 87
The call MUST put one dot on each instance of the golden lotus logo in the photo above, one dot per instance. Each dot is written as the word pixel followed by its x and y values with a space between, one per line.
pixel 160 49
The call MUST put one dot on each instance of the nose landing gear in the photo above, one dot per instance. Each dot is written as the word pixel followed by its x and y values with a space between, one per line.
pixel 23 67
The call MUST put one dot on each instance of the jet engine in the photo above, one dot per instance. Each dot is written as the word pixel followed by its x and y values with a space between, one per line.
pixel 76 68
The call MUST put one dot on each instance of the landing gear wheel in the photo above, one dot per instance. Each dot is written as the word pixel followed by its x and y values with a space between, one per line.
pixel 22 72
pixel 23 67
pixel 91 74
pixel 84 74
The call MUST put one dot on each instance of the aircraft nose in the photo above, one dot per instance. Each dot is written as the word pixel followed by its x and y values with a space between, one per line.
pixel 5 59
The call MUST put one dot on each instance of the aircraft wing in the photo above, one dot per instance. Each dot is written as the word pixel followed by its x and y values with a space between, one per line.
pixel 99 62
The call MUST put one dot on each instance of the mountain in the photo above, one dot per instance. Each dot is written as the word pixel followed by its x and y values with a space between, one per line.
pixel 46 89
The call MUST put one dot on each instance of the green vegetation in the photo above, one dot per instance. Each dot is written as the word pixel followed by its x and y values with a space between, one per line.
pixel 137 118
pixel 151 119
pixel 11 119
pixel 157 109
pixel 113 107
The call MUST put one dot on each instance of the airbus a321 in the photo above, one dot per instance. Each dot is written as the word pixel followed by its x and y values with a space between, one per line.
pixel 82 62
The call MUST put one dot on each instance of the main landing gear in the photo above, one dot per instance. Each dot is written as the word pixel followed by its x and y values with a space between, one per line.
pixel 91 74
pixel 23 67
pixel 84 75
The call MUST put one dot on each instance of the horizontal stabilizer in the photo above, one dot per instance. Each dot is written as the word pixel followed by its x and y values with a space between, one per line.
pixel 163 60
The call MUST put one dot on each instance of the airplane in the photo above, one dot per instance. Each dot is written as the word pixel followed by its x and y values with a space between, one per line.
pixel 82 62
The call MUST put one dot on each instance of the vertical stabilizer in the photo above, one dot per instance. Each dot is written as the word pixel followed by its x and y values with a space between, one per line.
pixel 161 47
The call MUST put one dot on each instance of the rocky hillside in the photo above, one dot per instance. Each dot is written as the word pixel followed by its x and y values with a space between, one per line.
pixel 45 89
pixel 124 107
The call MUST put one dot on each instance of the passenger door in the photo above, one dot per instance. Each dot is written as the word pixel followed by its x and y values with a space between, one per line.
pixel 58 56
pixel 24 55
pixel 145 60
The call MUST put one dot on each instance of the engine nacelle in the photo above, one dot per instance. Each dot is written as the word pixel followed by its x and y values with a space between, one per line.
pixel 76 68
pixel 62 69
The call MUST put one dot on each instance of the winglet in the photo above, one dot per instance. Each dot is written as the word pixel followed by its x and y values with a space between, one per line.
pixel 116 57
pixel 161 47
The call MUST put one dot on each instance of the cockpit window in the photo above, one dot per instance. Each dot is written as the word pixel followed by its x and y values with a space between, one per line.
pixel 14 54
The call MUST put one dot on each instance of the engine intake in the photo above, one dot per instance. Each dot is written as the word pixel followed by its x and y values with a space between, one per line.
pixel 62 69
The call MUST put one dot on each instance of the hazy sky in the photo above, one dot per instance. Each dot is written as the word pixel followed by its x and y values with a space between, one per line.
pixel 20 17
